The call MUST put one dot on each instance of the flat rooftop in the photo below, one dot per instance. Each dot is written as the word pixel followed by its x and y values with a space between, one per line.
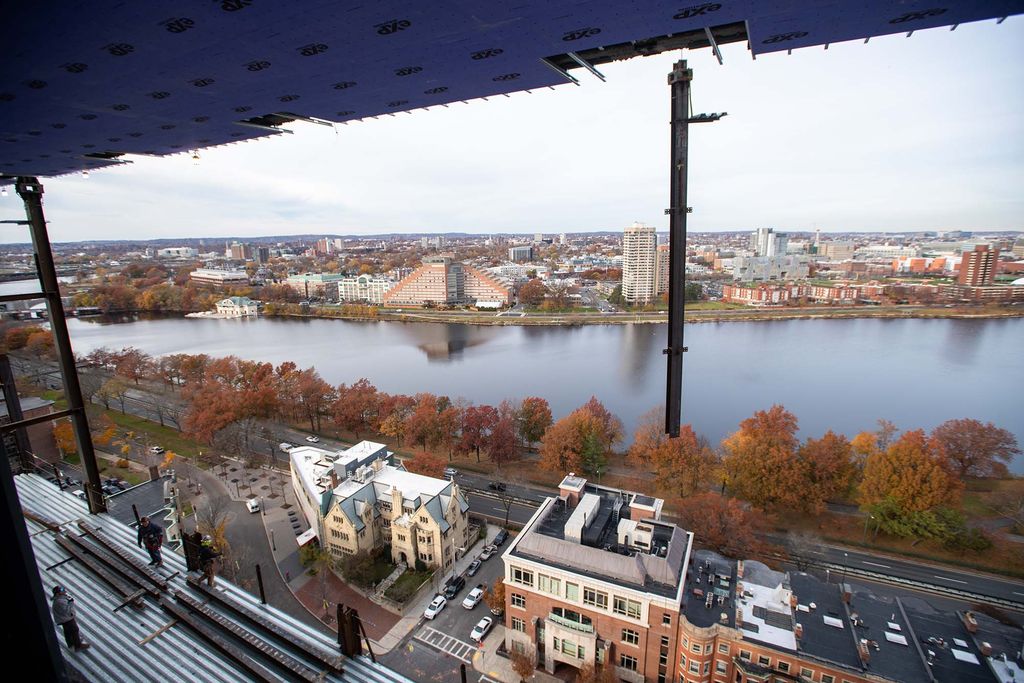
pixel 600 553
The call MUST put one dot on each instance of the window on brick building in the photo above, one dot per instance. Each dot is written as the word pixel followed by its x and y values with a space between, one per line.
pixel 630 637
pixel 723 648
pixel 518 624
pixel 825 678
pixel 783 667
pixel 522 576
pixel 744 655
pixel 666 619
pixel 518 600
pixel 720 667
pixel 572 591
pixel 595 598
pixel 628 662
pixel 764 661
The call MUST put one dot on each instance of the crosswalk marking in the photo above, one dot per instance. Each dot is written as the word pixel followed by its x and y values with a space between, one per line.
pixel 447 644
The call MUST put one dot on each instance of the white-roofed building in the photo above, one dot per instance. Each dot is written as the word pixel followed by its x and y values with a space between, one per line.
pixel 357 501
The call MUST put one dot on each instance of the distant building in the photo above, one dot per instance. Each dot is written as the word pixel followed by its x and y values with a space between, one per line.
pixel 239 251
pixel 639 280
pixel 886 251
pixel 978 267
pixel 836 251
pixel 561 239
pixel 767 242
pixel 262 255
pixel 762 268
pixel 41 442
pixel 521 253
pixel 213 276
pixel 762 295
pixel 1018 247
pixel 237 307
pixel 177 252
pixel 357 501
pixel 363 288
pixel 312 285
pixel 445 282
pixel 662 269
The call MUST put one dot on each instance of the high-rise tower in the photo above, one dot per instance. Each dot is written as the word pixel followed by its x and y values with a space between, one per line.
pixel 639 279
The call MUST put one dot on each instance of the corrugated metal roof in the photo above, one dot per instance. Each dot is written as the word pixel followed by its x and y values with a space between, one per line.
pixel 125 646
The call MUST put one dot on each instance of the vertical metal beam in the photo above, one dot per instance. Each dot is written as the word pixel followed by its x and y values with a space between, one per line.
pixel 30 632
pixel 31 192
pixel 14 411
pixel 679 80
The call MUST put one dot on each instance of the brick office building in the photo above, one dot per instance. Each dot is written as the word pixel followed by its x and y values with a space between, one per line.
pixel 596 578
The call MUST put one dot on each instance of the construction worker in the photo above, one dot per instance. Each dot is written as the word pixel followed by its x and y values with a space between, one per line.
pixel 152 535
pixel 208 560
pixel 63 608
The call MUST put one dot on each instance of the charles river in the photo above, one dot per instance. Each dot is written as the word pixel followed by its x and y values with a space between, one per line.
pixel 832 374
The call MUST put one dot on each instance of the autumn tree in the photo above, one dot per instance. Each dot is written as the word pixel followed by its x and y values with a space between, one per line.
pixel 523 663
pixel 423 425
pixel 905 485
pixel 226 408
pixel 532 293
pixel 760 459
pixel 721 524
pixel 477 424
pixel 494 597
pixel 114 388
pixel 580 441
pixel 426 464
pixel 974 449
pixel 597 673
pixel 450 423
pixel 682 465
pixel 133 364
pixel 64 435
pixel 503 443
pixel 534 419
pixel 355 408
pixel 827 469
pixel 315 397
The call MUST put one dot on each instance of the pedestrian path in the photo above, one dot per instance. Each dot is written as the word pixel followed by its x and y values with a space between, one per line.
pixel 459 649
pixel 391 578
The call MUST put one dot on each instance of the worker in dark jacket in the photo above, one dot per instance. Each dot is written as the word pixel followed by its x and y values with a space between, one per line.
pixel 151 535
pixel 63 608
pixel 208 560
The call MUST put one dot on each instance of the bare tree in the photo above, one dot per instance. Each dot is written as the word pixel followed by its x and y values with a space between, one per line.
pixel 802 546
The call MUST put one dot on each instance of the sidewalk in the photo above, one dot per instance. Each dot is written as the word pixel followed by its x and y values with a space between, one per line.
pixel 495 667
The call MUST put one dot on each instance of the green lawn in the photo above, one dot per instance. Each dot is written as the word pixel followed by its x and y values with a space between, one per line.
pixel 406 585
pixel 167 437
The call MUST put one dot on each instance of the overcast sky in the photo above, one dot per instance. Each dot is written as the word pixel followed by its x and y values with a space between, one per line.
pixel 903 133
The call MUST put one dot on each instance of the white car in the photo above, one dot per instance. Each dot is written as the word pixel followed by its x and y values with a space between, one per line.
pixel 473 598
pixel 435 607
pixel 488 552
pixel 156 450
pixel 253 504
pixel 481 629
pixel 313 439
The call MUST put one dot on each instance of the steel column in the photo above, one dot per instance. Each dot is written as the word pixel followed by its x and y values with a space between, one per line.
pixel 679 80
pixel 14 412
pixel 31 192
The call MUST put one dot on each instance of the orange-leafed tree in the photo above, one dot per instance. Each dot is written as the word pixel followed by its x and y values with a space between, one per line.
pixel 533 292
pixel 494 597
pixel 477 424
pixel 64 435
pixel 423 425
pixel 912 475
pixel 760 459
pixel 534 419
pixel 503 445
pixel 722 524
pixel 315 397
pixel 563 446
pixel 976 449
pixel 682 466
pixel 827 468
pixel 426 464
pixel 355 408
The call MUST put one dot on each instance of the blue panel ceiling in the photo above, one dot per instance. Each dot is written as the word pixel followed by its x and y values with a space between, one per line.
pixel 111 76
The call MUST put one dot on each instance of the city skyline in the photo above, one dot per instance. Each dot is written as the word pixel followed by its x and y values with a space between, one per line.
pixel 853 138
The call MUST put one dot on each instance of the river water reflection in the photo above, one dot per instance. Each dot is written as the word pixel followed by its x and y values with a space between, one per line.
pixel 838 374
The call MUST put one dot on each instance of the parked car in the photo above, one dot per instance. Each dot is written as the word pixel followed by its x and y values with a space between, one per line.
pixel 474 567
pixel 253 504
pixel 474 597
pixel 285 447
pixel 501 537
pixel 435 607
pixel 488 552
pixel 496 485
pixel 313 439
pixel 450 472
pixel 79 494
pixel 454 585
pixel 156 450
pixel 481 629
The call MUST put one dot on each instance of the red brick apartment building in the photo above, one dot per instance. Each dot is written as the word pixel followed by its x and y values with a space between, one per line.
pixel 978 267
pixel 596 577
pixel 442 281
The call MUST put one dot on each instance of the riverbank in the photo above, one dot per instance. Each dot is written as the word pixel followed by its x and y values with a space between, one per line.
pixel 692 316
